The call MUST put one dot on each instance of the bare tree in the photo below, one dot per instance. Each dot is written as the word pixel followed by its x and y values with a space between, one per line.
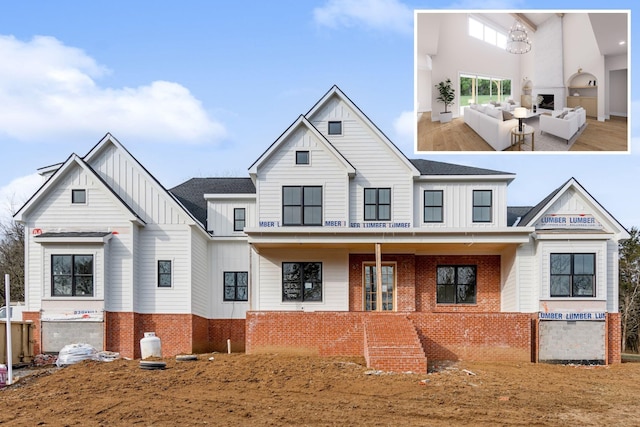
pixel 630 290
pixel 12 258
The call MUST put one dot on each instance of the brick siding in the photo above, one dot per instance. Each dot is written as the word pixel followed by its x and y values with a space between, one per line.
pixel 34 316
pixel 614 338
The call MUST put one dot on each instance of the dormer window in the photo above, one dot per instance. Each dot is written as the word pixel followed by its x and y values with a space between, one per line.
pixel 302 157
pixel 335 128
pixel 78 197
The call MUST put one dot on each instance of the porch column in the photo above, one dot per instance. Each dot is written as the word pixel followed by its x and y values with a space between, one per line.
pixel 378 265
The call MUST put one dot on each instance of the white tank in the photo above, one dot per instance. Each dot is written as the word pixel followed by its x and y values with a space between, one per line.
pixel 150 345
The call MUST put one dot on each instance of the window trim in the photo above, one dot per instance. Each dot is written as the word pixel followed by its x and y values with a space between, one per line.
pixel 73 276
pixel 424 206
pixel 489 206
pixel 456 284
pixel 301 282
pixel 302 206
pixel 236 220
pixel 377 204
pixel 235 286
pixel 329 123
pixel 572 274
pixel 75 191
pixel 159 274
pixel 308 162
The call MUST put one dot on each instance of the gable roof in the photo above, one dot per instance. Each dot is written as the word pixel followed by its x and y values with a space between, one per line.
pixel 536 212
pixel 50 183
pixel 335 91
pixel 191 193
pixel 300 122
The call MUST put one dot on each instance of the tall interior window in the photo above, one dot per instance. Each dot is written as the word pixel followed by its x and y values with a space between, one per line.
pixel 302 205
pixel 236 285
pixel 477 89
pixel 482 205
pixel 377 204
pixel 573 275
pixel 72 275
pixel 487 33
pixel 433 206
pixel 301 281
pixel 164 274
pixel 456 284
pixel 238 219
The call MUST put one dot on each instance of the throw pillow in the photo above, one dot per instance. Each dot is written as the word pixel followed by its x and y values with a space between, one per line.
pixel 512 102
pixel 562 115
pixel 506 115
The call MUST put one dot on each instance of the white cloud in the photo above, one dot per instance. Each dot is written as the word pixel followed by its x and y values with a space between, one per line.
pixel 51 91
pixel 16 193
pixel 405 126
pixel 388 15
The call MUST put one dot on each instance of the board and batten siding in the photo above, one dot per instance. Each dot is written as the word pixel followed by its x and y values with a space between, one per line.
pixel 228 256
pixel 324 170
pixel 335 279
pixel 509 280
pixel 377 165
pixel 528 278
pixel 167 242
pixel 613 274
pixel 220 214
pixel 138 190
pixel 200 282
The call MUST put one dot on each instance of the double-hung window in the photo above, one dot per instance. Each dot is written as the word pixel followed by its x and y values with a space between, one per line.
pixel 377 204
pixel 164 274
pixel 238 219
pixel 573 275
pixel 301 281
pixel 302 205
pixel 72 275
pixel 456 284
pixel 236 285
pixel 482 205
pixel 433 206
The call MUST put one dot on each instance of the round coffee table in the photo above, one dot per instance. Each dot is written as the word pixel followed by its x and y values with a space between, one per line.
pixel 519 137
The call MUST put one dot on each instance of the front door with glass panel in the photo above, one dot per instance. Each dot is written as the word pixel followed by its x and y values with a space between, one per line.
pixel 379 296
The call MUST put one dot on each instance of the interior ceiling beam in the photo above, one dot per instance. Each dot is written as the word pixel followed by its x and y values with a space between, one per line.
pixel 526 21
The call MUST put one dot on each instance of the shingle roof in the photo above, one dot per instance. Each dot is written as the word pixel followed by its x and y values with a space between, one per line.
pixel 431 167
pixel 515 212
pixel 190 193
pixel 537 208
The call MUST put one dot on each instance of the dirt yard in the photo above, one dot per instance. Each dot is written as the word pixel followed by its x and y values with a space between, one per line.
pixel 275 390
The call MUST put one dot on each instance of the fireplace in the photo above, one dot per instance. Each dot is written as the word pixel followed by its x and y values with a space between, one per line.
pixel 547 101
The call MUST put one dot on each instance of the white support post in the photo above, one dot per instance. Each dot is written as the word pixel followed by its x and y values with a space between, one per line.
pixel 7 302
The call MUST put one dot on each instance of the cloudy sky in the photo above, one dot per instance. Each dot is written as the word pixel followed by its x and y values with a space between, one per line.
pixel 200 88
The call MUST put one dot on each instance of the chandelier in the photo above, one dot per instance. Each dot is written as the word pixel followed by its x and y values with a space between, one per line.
pixel 518 39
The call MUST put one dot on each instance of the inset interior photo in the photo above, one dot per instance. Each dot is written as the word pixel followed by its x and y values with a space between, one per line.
pixel 534 81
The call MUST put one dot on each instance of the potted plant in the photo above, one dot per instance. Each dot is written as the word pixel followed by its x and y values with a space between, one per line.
pixel 447 95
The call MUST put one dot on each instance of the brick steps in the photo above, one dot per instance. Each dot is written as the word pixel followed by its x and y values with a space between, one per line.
pixel 391 343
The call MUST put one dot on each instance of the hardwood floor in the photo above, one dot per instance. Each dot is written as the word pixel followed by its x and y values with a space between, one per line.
pixel 610 135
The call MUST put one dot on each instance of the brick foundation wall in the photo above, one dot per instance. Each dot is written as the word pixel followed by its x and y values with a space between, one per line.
pixel 34 316
pixel 221 330
pixel 200 335
pixel 614 338
pixel 119 334
pixel 444 336
pixel 321 333
pixel 174 331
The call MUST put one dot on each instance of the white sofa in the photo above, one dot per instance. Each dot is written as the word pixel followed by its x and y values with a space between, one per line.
pixel 487 121
pixel 563 124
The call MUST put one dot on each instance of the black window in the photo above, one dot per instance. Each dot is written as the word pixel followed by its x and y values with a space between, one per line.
pixel 301 281
pixel 238 219
pixel 78 196
pixel 482 205
pixel 335 128
pixel 456 284
pixel 302 205
pixel 164 274
pixel 236 285
pixel 573 275
pixel 302 157
pixel 377 204
pixel 72 275
pixel 433 206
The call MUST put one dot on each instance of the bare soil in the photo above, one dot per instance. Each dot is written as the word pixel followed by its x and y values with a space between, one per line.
pixel 277 389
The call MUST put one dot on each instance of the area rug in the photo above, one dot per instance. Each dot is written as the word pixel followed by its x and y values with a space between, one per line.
pixel 546 142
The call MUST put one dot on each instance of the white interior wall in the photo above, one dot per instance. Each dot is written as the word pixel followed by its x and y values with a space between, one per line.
pixel 617 86
pixel 460 53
